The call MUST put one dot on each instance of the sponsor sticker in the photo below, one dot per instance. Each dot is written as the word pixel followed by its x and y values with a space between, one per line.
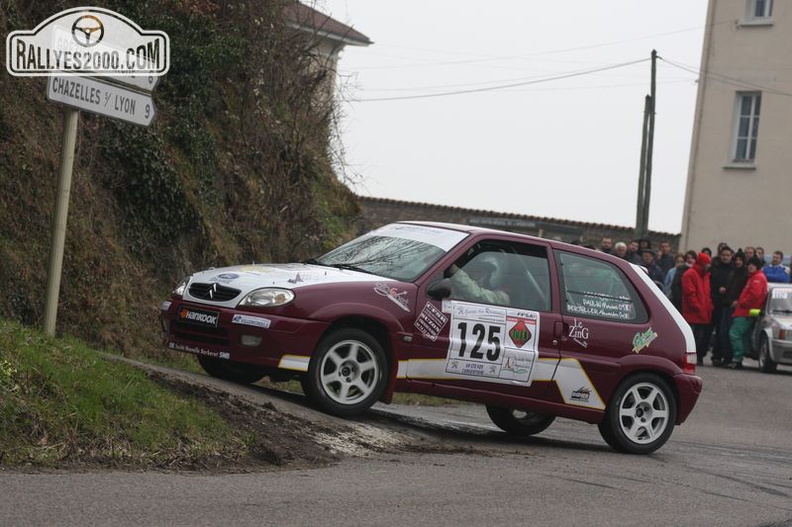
pixel 391 293
pixel 247 320
pixel 642 340
pixel 582 395
pixel 199 317
pixel 197 350
pixel 225 278
pixel 579 333
pixel 431 322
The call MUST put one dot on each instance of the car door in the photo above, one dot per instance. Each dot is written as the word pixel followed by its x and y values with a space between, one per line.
pixel 497 334
pixel 604 319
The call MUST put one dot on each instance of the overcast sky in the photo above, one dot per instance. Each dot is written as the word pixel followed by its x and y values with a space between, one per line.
pixel 520 106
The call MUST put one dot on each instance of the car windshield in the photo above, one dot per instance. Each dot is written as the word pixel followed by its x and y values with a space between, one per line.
pixel 398 251
pixel 781 300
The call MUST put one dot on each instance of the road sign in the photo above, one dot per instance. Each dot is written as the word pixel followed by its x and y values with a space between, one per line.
pixel 102 98
pixel 142 82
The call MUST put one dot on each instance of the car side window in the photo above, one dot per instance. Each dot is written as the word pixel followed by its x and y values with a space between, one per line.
pixel 503 273
pixel 597 289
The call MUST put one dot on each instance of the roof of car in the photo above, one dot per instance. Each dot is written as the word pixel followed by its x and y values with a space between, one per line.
pixel 473 229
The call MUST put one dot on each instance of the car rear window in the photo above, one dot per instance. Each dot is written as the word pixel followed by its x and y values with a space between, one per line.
pixel 597 289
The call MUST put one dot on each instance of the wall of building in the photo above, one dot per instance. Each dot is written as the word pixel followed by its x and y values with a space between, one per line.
pixel 741 203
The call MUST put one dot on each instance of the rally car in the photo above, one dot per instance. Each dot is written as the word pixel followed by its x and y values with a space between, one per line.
pixel 532 328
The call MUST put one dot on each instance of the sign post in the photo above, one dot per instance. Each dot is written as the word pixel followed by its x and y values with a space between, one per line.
pixel 70 120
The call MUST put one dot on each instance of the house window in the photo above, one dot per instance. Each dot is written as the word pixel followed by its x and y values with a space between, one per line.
pixel 760 9
pixel 748 106
pixel 759 12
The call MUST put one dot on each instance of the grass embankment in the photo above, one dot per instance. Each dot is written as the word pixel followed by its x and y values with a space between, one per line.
pixel 62 403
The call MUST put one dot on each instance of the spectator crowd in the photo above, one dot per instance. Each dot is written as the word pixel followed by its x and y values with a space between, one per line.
pixel 718 295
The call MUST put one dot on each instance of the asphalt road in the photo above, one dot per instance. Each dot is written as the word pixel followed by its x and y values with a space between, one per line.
pixel 730 464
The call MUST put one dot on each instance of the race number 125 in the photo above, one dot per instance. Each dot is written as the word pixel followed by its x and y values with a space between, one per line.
pixel 476 341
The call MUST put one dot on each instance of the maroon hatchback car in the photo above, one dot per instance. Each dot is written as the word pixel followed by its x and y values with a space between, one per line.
pixel 534 329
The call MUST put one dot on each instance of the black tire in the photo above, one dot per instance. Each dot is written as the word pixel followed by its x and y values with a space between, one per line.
pixel 640 416
pixel 347 373
pixel 231 371
pixel 522 423
pixel 766 364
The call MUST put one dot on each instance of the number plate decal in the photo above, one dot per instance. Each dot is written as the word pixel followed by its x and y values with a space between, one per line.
pixel 491 343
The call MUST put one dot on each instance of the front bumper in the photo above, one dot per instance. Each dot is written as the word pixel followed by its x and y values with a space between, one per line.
pixel 239 336
pixel 781 351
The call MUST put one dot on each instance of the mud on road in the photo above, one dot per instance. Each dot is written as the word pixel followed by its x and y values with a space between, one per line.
pixel 287 433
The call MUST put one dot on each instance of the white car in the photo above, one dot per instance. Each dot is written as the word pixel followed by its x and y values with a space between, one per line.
pixel 772 335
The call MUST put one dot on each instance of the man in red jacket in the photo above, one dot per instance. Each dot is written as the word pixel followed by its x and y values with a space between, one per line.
pixel 697 303
pixel 753 296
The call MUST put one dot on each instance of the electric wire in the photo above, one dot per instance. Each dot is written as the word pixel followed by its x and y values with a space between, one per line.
pixel 505 86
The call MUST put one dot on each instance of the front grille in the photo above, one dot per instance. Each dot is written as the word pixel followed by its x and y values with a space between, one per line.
pixel 214 336
pixel 214 292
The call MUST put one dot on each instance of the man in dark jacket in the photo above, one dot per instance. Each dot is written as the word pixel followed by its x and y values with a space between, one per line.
pixel 722 266
pixel 655 273
pixel 734 286
pixel 665 260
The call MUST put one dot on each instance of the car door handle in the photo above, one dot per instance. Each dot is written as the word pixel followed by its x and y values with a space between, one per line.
pixel 560 329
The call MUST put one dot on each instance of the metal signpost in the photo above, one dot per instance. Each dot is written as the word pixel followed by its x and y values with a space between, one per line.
pixel 102 98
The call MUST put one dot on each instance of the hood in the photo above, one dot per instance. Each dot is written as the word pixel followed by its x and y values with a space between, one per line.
pixel 246 278
pixel 783 320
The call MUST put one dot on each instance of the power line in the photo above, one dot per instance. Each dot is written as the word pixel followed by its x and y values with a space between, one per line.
pixel 717 77
pixel 505 86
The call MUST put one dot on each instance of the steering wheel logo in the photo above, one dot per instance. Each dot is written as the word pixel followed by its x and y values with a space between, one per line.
pixel 88 31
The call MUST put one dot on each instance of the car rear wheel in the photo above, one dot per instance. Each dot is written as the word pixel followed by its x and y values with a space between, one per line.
pixel 519 422
pixel 347 373
pixel 766 364
pixel 231 371
pixel 640 416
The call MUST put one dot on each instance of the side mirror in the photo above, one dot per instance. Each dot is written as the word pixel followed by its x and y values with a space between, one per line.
pixel 440 290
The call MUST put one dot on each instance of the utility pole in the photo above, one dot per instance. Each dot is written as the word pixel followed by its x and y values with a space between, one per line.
pixel 647 148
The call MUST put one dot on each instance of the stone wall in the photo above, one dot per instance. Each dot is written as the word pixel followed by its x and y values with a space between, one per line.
pixel 376 212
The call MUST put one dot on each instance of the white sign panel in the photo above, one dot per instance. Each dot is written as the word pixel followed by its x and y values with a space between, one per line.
pixel 142 82
pixel 102 98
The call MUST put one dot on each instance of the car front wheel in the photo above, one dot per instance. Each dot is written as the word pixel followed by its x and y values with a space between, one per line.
pixel 347 373
pixel 519 422
pixel 231 371
pixel 766 364
pixel 640 416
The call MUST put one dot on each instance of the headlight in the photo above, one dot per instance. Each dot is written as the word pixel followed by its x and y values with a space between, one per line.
pixel 270 297
pixel 179 291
